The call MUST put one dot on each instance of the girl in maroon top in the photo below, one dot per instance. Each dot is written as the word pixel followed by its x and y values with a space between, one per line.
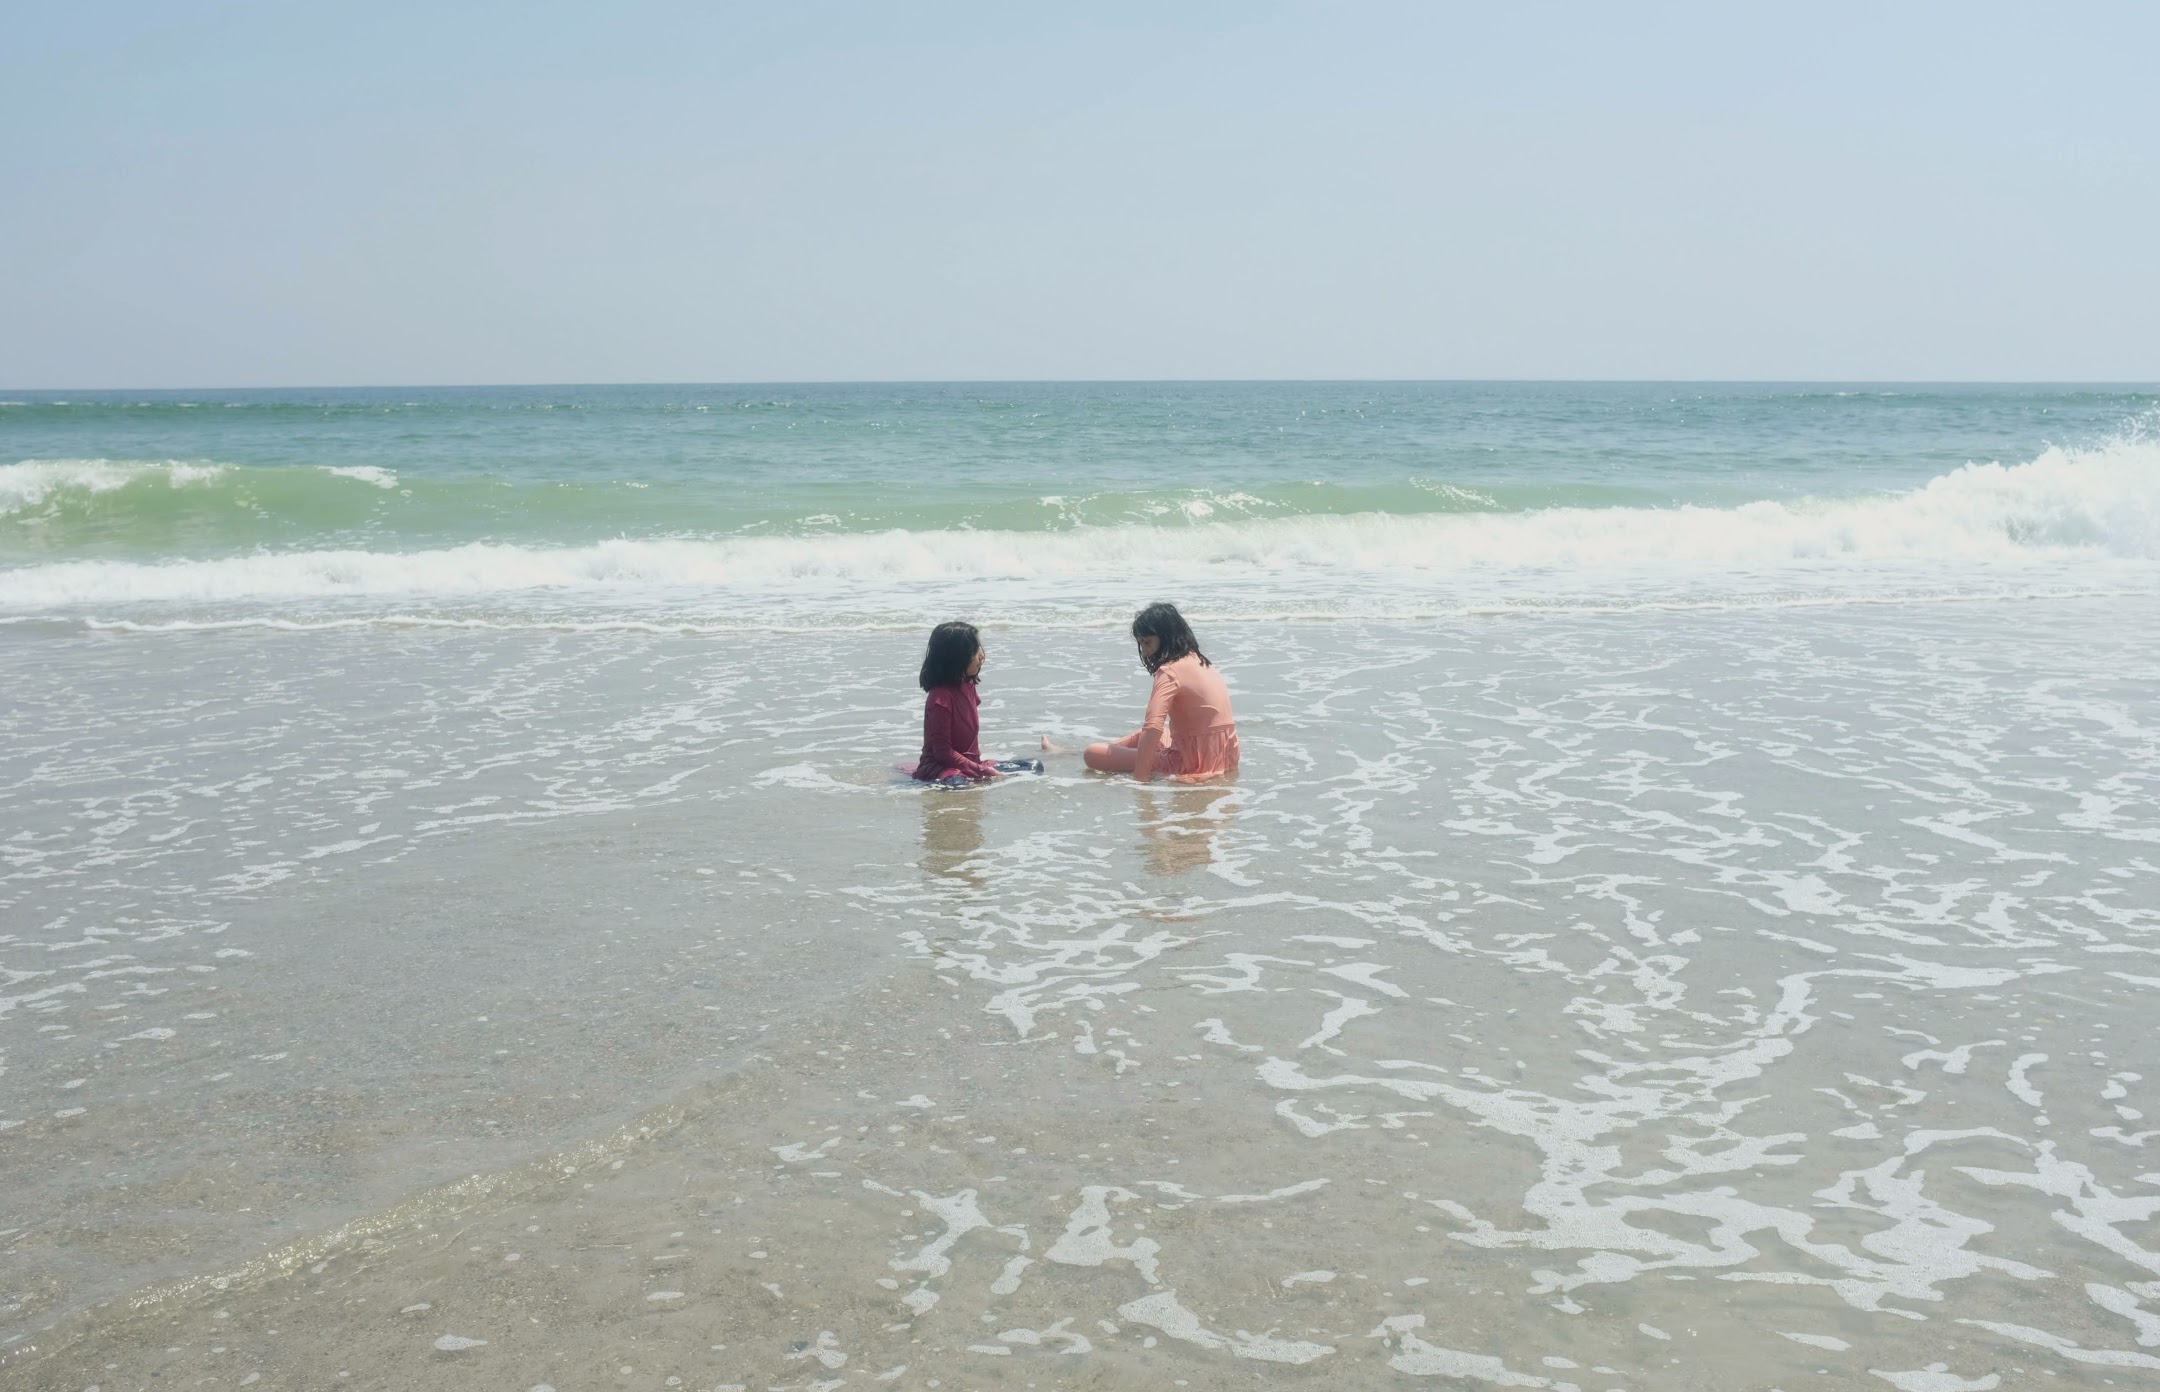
pixel 951 743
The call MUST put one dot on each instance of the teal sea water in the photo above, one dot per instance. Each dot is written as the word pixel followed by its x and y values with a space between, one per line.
pixel 1688 907
pixel 877 504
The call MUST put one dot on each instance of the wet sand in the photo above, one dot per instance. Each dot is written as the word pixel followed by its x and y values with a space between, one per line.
pixel 1751 1000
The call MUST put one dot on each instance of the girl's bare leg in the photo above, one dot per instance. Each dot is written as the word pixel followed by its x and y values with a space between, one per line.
pixel 1111 758
pixel 1117 756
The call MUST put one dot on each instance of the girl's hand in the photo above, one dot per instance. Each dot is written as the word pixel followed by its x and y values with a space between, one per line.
pixel 1144 765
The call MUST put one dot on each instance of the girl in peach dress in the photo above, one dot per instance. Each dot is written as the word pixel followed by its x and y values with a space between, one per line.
pixel 1188 733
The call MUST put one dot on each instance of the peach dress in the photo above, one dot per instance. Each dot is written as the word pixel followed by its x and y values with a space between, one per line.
pixel 1190 710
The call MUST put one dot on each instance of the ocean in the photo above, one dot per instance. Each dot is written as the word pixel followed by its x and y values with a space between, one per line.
pixel 1686 918
pixel 759 509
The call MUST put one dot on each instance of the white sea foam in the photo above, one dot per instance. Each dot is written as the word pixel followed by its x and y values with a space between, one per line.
pixel 1162 1311
pixel 29 484
pixel 1936 1377
pixel 365 473
pixel 2068 518
pixel 1420 1359
pixel 1094 616
pixel 1822 1341
pixel 1569 849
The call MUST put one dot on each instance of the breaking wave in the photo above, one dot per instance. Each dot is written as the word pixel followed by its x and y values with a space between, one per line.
pixel 2070 516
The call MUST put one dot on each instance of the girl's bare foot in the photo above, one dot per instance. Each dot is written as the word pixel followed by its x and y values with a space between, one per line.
pixel 1048 747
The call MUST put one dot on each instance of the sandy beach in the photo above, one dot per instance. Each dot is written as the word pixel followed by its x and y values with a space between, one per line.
pixel 1755 997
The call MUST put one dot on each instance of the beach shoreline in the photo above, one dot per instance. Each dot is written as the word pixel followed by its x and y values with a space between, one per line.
pixel 1518 984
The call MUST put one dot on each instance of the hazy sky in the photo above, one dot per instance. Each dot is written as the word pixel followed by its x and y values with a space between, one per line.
pixel 212 194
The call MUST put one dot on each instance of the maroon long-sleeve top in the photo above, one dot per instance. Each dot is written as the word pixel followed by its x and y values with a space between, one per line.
pixel 952 734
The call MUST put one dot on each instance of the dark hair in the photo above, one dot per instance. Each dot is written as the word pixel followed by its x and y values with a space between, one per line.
pixel 945 662
pixel 1173 636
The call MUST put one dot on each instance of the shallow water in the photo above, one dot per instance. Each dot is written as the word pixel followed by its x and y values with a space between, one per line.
pixel 1721 999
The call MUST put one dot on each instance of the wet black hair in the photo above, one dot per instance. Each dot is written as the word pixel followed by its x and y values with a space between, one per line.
pixel 1173 636
pixel 945 662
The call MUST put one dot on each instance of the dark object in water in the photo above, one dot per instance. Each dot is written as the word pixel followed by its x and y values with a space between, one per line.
pixel 957 780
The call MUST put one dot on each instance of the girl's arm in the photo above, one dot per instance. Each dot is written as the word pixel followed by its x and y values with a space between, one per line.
pixel 1150 744
pixel 1151 729
pixel 937 733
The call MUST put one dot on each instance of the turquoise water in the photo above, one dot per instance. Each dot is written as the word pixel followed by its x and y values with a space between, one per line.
pixel 1682 832
pixel 871 502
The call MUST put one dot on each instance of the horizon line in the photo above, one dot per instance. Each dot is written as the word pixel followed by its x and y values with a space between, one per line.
pixel 2129 383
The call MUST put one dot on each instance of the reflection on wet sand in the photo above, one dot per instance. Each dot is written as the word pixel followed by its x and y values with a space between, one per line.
pixel 952 834
pixel 1179 828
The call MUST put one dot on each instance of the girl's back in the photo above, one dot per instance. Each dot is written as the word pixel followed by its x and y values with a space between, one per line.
pixel 1191 706
pixel 1191 697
